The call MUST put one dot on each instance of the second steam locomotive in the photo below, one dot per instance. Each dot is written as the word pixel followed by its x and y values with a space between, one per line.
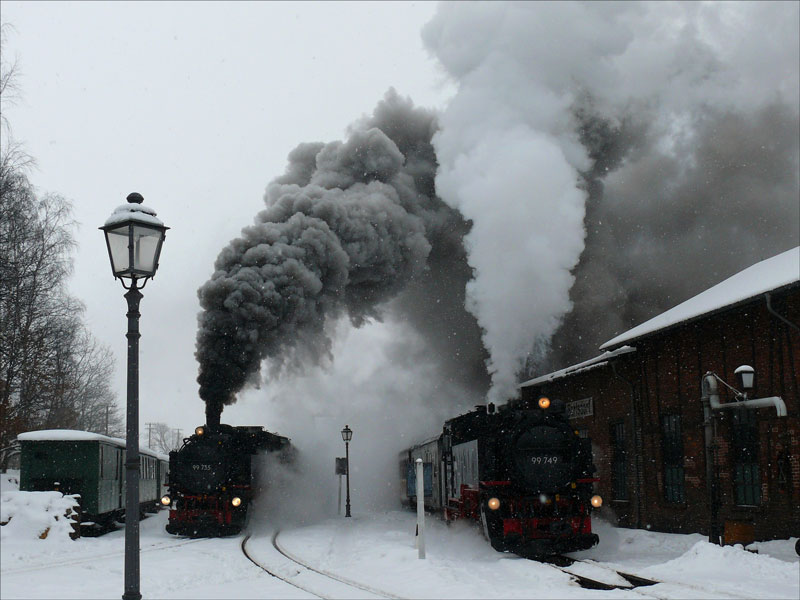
pixel 212 479
pixel 524 474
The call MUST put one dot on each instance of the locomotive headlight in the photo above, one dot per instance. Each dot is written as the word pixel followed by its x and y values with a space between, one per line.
pixel 597 501
pixel 544 402
pixel 199 430
pixel 494 503
pixel 236 501
pixel 166 500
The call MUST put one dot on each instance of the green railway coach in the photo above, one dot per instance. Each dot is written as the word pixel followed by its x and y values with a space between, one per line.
pixel 93 466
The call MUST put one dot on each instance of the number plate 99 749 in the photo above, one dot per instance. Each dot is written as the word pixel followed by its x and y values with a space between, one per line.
pixel 544 460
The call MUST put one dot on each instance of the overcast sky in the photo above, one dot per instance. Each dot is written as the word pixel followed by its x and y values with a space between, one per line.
pixel 195 106
pixel 684 116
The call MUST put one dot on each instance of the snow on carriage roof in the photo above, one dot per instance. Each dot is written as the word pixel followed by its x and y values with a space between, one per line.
pixel 587 365
pixel 74 435
pixel 766 276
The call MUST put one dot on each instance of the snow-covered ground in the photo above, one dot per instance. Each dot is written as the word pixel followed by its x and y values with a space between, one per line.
pixel 377 551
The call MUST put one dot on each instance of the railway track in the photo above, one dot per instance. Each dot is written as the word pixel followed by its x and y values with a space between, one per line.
pixel 94 557
pixel 317 582
pixel 611 578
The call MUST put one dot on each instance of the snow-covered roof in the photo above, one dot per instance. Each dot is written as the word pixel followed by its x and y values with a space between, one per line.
pixel 767 276
pixel 433 438
pixel 74 435
pixel 587 365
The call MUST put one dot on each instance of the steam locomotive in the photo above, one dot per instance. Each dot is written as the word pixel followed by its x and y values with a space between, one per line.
pixel 523 474
pixel 212 479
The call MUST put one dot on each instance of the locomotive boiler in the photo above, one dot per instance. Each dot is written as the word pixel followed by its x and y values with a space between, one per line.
pixel 524 474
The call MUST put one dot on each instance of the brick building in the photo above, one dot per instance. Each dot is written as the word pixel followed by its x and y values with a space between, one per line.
pixel 640 402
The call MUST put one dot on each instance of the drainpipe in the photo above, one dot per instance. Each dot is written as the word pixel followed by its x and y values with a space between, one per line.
pixel 637 455
pixel 772 311
pixel 709 386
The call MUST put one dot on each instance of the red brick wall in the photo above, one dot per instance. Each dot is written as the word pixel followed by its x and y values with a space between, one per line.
pixel 665 372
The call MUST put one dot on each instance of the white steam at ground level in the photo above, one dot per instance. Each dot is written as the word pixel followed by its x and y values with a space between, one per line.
pixel 391 400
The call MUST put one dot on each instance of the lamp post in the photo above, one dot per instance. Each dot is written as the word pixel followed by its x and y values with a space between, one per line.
pixel 347 435
pixel 134 236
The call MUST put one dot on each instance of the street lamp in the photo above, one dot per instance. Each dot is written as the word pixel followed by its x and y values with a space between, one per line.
pixel 745 375
pixel 134 236
pixel 347 435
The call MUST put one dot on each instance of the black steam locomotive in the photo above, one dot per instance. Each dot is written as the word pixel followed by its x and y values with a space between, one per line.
pixel 524 474
pixel 212 479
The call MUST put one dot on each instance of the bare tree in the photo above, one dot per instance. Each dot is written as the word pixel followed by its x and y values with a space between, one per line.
pixel 53 373
pixel 162 438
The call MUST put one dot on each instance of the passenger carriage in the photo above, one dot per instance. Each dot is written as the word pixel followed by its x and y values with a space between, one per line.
pixel 93 466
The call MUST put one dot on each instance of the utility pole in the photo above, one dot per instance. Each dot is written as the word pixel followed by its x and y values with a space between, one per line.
pixel 177 433
pixel 149 434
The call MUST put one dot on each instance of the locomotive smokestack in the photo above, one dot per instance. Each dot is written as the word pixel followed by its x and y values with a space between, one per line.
pixel 213 414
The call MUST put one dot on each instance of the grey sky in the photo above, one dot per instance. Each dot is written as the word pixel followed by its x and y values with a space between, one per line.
pixel 653 129
pixel 195 106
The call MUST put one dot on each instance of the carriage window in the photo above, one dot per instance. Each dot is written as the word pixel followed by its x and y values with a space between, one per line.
pixel 619 462
pixel 672 454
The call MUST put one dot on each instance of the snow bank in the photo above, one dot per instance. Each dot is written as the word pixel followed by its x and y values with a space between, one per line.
pixel 704 562
pixel 9 481
pixel 32 515
pixel 781 549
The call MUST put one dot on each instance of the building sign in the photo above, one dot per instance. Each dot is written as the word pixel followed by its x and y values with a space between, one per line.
pixel 580 408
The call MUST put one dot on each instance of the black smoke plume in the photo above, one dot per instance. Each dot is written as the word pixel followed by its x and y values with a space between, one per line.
pixel 348 228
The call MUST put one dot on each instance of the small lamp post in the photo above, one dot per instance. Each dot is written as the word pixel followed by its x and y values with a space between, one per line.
pixel 347 435
pixel 134 237
pixel 745 374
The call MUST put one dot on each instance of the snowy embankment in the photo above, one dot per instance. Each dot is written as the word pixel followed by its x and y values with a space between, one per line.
pixel 34 515
pixel 378 551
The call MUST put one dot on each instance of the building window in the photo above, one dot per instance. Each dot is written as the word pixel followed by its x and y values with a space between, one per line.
pixel 619 462
pixel 746 474
pixel 672 453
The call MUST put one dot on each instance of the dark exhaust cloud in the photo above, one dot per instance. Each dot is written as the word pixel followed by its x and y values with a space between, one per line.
pixel 663 227
pixel 347 229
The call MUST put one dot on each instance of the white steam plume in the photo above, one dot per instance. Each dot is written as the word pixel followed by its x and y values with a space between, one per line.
pixel 552 97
